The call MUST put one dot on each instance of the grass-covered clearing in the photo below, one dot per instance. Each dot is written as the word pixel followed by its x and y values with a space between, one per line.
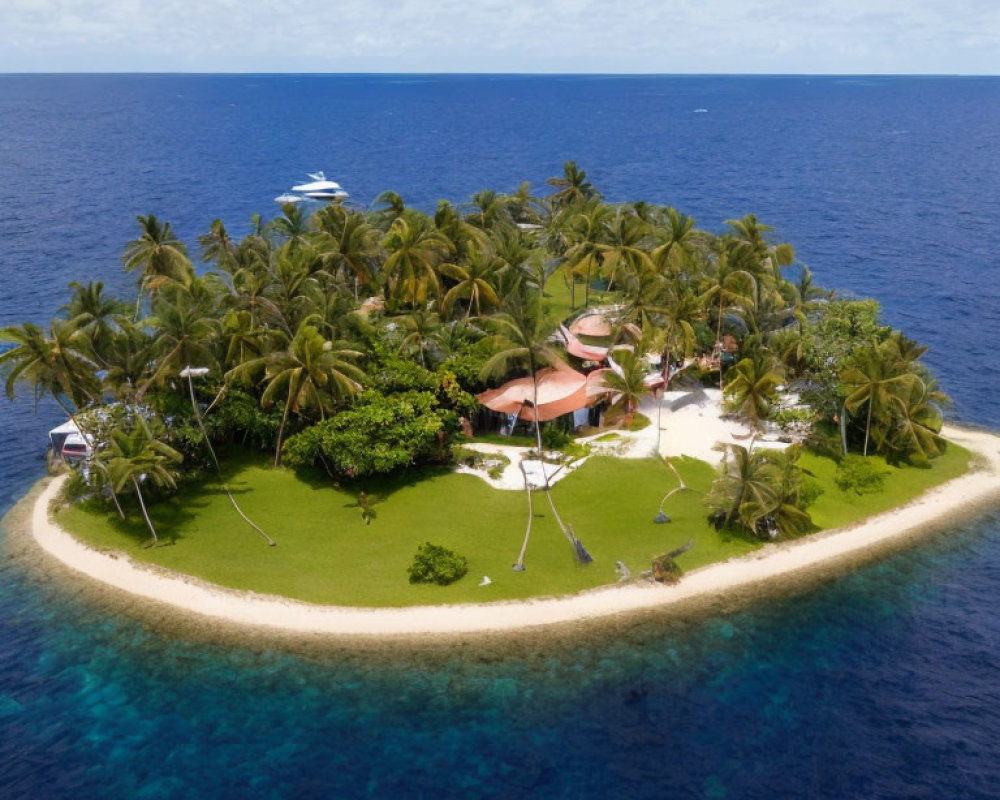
pixel 326 554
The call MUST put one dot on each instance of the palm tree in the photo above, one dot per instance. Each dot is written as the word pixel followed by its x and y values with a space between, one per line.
pixel 522 338
pixel 677 312
pixel 489 210
pixel 752 386
pixel 629 383
pixel 874 376
pixel 724 286
pixel 415 249
pixel 770 258
pixel 387 208
pixel 135 457
pixel 675 245
pixel 95 316
pixel 587 237
pixel 53 365
pixel 572 185
pixel 917 421
pixel 159 255
pixel 311 372
pixel 186 330
pixel 189 373
pixel 418 330
pixel 127 360
pixel 217 247
pixel 476 281
pixel 346 241
pixel 748 489
pixel 623 246
pixel 292 227
pixel 523 206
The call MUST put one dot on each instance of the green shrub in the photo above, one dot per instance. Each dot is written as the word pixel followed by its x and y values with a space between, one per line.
pixel 377 435
pixel 553 438
pixel 436 564
pixel 810 492
pixel 76 487
pixel 860 475
pixel 639 421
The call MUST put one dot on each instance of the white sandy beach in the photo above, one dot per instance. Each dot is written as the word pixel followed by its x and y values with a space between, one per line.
pixel 936 508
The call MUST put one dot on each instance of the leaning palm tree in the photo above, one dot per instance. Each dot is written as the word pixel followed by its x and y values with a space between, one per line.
pixel 135 457
pixel 159 256
pixel 190 373
pixel 95 316
pixel 53 365
pixel 309 373
pixel 522 337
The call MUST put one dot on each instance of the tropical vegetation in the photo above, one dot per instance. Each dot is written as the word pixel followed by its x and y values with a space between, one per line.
pixel 350 344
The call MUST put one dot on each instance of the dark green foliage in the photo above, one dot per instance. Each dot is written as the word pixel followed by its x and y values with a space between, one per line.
pixel 467 365
pixel 860 475
pixel 379 434
pixel 809 492
pixel 436 564
pixel 835 334
pixel 76 486
pixel 390 371
pixel 554 437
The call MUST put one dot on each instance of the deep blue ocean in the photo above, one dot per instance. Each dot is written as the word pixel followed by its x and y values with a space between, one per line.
pixel 884 683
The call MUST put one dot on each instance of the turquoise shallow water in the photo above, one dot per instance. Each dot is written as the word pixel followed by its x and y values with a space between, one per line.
pixel 881 683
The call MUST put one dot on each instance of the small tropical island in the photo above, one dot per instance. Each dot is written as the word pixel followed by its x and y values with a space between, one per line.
pixel 549 399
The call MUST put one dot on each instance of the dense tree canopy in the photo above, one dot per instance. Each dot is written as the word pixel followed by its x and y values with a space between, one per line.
pixel 360 335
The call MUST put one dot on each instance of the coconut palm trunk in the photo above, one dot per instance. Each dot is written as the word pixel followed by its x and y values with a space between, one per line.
pixel 218 468
pixel 843 429
pixel 145 514
pixel 519 566
pixel 281 432
pixel 546 487
pixel 868 423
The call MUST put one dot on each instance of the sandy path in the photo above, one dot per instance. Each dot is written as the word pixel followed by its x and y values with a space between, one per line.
pixel 938 507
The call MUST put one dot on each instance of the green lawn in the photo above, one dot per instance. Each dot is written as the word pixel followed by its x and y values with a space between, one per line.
pixel 326 554
pixel 835 507
pixel 558 296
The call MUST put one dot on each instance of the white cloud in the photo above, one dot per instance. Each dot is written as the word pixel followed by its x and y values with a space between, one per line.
pixel 501 35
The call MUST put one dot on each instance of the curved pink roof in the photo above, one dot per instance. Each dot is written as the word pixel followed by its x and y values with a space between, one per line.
pixel 560 391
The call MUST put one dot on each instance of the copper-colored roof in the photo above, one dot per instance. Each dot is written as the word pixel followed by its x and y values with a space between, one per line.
pixel 560 391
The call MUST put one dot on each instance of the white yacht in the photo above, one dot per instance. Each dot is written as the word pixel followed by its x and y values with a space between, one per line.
pixel 319 188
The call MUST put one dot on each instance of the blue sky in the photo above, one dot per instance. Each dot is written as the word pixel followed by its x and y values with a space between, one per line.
pixel 729 36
